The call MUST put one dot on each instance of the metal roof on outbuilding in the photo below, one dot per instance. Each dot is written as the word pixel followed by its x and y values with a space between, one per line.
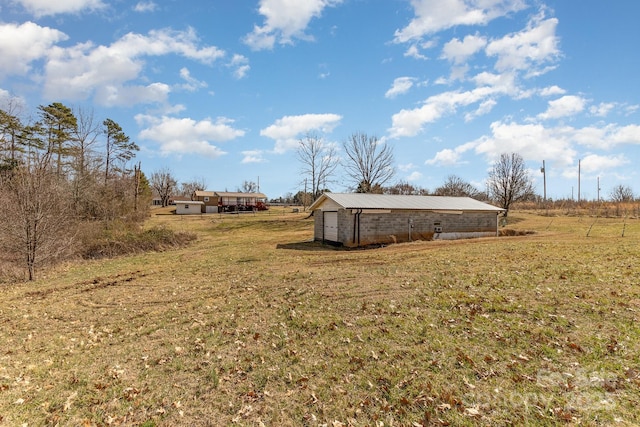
pixel 388 201
pixel 238 194
pixel 201 193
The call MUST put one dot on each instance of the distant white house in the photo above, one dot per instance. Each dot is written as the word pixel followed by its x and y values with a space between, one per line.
pixel 188 207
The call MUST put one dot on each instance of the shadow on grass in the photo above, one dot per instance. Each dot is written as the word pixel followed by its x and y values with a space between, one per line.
pixel 309 245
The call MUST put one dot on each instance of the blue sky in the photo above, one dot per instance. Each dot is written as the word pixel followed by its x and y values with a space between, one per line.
pixel 223 90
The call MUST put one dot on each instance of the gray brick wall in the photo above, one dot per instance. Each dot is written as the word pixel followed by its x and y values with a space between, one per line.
pixel 394 227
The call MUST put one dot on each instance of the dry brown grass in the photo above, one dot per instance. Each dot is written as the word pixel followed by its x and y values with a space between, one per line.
pixel 255 324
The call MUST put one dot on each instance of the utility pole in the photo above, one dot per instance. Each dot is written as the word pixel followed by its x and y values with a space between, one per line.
pixel 544 180
pixel 598 189
pixel 304 196
pixel 579 160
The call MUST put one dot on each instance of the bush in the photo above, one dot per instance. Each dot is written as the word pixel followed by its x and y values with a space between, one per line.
pixel 113 244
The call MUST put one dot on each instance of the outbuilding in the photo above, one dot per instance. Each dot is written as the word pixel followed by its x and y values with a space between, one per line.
pixel 357 219
pixel 209 200
pixel 223 201
pixel 188 207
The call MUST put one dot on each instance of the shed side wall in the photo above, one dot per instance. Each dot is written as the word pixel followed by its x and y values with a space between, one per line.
pixel 395 226
pixel 318 225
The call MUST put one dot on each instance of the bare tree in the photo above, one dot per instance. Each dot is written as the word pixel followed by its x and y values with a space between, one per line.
pixel 404 188
pixel 369 162
pixel 84 139
pixel 319 161
pixel 164 184
pixel 249 187
pixel 621 194
pixel 457 187
pixel 509 181
pixel 37 223
pixel 85 164
pixel 141 192
pixel 196 184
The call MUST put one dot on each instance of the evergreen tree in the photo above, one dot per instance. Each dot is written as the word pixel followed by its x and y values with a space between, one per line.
pixel 118 147
pixel 59 124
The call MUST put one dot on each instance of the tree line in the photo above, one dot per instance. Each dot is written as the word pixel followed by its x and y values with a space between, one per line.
pixel 64 175
pixel 368 166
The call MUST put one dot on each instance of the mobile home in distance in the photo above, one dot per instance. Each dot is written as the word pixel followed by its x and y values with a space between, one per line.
pixel 223 201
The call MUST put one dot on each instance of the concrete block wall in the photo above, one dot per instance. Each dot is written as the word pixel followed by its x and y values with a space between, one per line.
pixel 394 227
pixel 318 224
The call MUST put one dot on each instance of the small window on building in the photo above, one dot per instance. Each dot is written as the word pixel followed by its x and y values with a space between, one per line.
pixel 206 198
pixel 186 206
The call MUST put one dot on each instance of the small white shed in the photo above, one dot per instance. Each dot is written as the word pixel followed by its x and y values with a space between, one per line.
pixel 188 207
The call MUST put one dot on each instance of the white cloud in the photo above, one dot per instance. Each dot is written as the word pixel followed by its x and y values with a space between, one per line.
pixel 552 91
pixel 5 97
pixel 414 50
pixel 80 71
pixel 41 8
pixel 190 84
pixel 534 46
pixel 602 109
pixel 11 103
pixel 400 86
pixel 485 107
pixel 166 41
pixel 594 163
pixel 115 95
pixel 531 141
pixel 285 20
pixel 504 83
pixel 629 134
pixel 436 15
pixel 253 156
pixel 446 157
pixel 286 130
pixel 407 167
pixel 458 51
pixel 449 157
pixel 22 44
pixel 187 136
pixel 556 145
pixel 145 6
pixel 240 65
pixel 414 176
pixel 568 105
pixel 411 122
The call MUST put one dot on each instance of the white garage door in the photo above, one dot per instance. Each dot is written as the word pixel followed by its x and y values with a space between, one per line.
pixel 331 226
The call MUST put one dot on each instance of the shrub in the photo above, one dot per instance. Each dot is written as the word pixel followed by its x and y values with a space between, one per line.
pixel 113 243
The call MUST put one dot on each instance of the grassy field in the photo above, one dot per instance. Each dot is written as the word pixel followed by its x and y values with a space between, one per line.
pixel 254 324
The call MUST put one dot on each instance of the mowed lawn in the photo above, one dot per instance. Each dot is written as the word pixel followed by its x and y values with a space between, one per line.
pixel 254 324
